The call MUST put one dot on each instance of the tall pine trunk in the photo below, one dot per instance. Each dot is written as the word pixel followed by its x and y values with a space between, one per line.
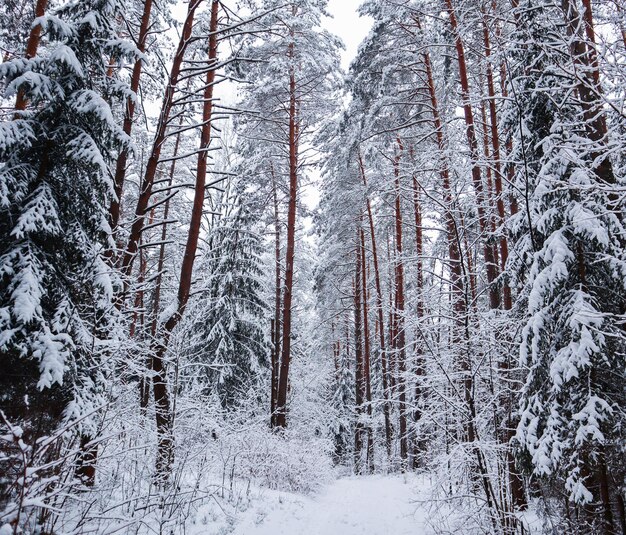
pixel 32 44
pixel 420 370
pixel 381 317
pixel 159 140
pixel 366 356
pixel 477 180
pixel 283 382
pixel 120 168
pixel 399 339
pixel 359 360
pixel 164 416
pixel 277 304
pixel 156 302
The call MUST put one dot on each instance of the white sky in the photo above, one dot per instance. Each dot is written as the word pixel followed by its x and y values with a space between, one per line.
pixel 347 24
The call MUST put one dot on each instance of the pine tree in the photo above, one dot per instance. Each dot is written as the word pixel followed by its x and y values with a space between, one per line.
pixel 293 78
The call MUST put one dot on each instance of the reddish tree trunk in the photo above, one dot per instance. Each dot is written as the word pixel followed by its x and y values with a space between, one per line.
pixel 34 37
pixel 516 485
pixel 400 335
pixel 418 445
pixel 156 303
pixel 164 417
pixel 456 276
pixel 367 356
pixel 138 317
pixel 589 87
pixel 488 249
pixel 471 272
pixel 495 143
pixel 277 303
pixel 86 466
pixel 381 320
pixel 159 140
pixel 491 195
pixel 281 403
pixel 359 361
pixel 120 169
pixel 457 285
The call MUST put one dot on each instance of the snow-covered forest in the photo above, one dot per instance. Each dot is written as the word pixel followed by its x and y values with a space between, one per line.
pixel 245 290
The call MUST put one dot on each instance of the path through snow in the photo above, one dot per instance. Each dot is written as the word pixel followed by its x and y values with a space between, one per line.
pixel 373 505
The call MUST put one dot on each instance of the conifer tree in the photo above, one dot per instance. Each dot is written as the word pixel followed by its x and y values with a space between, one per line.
pixel 293 78
pixel 569 259
pixel 55 289
pixel 228 335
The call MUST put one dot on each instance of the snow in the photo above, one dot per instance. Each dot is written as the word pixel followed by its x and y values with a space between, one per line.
pixel 372 505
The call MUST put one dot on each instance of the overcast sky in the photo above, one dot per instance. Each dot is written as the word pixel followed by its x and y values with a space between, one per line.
pixel 347 24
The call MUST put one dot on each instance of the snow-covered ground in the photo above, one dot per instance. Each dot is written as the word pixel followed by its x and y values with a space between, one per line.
pixel 372 505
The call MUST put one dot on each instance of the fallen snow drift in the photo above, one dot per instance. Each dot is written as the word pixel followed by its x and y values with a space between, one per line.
pixel 373 505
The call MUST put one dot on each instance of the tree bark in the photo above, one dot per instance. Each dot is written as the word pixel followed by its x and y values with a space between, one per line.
pixel 457 285
pixel 156 303
pixel 283 383
pixel 157 145
pixel 32 44
pixel 495 144
pixel 120 168
pixel 590 88
pixel 420 369
pixel 381 320
pixel 399 340
pixel 488 249
pixel 277 305
pixel 516 484
pixel 164 417
pixel 359 361
pixel 367 357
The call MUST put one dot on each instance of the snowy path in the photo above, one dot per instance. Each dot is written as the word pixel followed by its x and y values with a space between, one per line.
pixel 373 505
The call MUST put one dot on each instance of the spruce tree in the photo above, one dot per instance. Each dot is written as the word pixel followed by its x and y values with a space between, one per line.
pixel 569 261
pixel 228 332
pixel 56 289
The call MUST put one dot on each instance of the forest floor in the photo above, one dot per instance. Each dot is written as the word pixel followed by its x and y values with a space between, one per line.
pixel 368 505
pixel 365 505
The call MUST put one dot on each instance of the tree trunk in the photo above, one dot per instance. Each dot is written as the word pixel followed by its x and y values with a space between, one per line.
pixel 457 284
pixel 157 145
pixel 495 144
pixel 164 417
pixel 120 169
pixel 277 304
pixel 359 361
pixel 400 335
pixel 367 357
pixel 86 466
pixel 283 383
pixel 34 37
pixel 488 249
pixel 590 88
pixel 516 484
pixel 156 303
pixel 418 444
pixel 138 317
pixel 381 320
